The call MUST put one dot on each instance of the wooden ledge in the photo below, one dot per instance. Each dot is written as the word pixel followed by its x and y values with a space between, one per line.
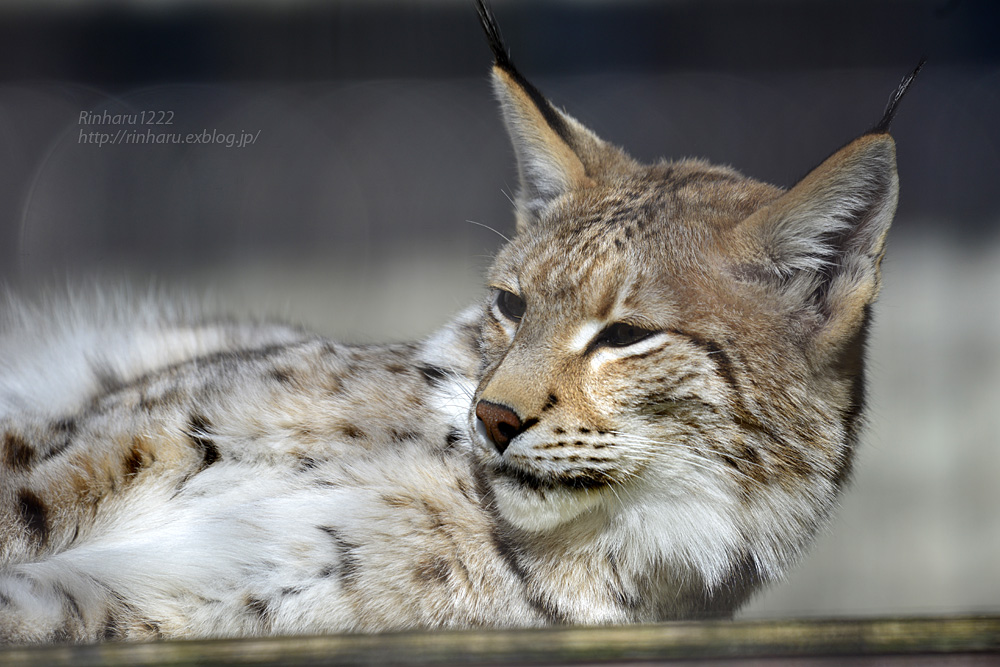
pixel 970 639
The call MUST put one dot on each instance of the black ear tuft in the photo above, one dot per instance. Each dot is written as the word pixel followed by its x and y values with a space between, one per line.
pixel 502 60
pixel 890 109
pixel 488 21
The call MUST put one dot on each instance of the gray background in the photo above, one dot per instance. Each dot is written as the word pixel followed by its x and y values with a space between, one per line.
pixel 379 143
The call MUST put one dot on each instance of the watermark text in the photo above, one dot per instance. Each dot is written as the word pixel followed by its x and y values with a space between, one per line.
pixel 138 137
pixel 150 127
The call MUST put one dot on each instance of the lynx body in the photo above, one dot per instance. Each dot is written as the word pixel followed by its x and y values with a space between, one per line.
pixel 647 418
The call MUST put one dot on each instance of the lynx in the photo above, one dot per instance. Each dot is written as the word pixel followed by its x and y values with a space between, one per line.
pixel 648 418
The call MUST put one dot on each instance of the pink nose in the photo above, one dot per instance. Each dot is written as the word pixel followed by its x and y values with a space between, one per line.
pixel 502 424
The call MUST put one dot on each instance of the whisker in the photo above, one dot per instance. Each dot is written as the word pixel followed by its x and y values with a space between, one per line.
pixel 638 439
pixel 699 460
pixel 479 224
pixel 458 380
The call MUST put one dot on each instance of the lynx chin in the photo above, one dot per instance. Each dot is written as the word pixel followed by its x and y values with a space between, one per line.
pixel 648 417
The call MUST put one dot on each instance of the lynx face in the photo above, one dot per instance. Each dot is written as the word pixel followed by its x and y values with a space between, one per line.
pixel 676 347
pixel 600 338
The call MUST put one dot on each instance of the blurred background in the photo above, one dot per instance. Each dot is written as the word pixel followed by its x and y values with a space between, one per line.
pixel 377 157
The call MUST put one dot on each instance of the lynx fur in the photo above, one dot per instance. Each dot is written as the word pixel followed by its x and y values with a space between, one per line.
pixel 648 417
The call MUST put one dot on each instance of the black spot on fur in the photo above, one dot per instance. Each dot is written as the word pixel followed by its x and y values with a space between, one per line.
pixel 452 439
pixel 403 436
pixel 625 600
pixel 17 453
pixel 111 628
pixel 107 380
pixel 63 431
pixel 134 461
pixel 333 385
pixel 258 608
pixel 348 564
pixel 352 431
pixel 749 454
pixel 152 628
pixel 434 514
pixel 58 448
pixel 34 515
pixel 198 431
pixel 397 502
pixel 306 463
pixel 66 425
pixel 280 376
pixel 552 401
pixel 437 570
pixel 432 374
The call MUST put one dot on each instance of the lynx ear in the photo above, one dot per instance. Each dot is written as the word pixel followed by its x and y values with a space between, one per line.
pixel 821 242
pixel 555 153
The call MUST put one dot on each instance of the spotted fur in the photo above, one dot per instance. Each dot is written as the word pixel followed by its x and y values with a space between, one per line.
pixel 647 418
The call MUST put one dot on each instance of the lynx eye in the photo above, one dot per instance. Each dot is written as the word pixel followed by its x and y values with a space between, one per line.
pixel 621 334
pixel 510 305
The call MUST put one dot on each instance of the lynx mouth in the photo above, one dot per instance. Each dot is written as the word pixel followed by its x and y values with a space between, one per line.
pixel 577 479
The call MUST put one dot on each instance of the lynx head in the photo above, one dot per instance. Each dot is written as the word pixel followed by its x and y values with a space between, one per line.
pixel 673 354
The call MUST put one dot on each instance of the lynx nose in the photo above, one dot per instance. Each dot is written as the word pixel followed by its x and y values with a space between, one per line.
pixel 502 424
